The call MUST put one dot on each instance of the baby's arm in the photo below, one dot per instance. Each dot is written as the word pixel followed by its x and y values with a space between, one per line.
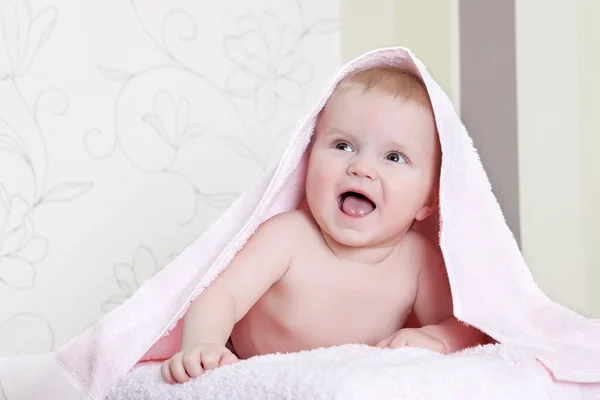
pixel 208 323
pixel 259 264
pixel 433 305
pixel 440 331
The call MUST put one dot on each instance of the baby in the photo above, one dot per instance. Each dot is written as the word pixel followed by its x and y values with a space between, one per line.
pixel 348 267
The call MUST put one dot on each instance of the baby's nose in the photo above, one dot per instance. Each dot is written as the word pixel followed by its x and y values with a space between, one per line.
pixel 362 170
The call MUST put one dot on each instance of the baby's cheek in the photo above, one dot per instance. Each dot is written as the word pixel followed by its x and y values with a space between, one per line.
pixel 320 176
pixel 408 188
pixel 316 189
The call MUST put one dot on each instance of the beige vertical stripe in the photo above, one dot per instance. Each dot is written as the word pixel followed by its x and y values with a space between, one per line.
pixel 366 26
pixel 549 148
pixel 589 107
pixel 427 28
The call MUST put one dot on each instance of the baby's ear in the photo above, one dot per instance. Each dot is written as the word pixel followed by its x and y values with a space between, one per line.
pixel 429 207
pixel 425 211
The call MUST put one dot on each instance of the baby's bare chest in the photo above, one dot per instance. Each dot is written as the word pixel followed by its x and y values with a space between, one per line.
pixel 340 303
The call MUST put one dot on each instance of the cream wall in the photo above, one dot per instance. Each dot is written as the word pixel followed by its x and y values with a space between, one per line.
pixel 589 100
pixel 558 138
pixel 433 37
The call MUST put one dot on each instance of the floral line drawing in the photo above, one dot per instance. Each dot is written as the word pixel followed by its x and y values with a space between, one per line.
pixel 218 200
pixel 61 98
pixel 170 121
pixel 131 276
pixel 18 332
pixel 20 248
pixel 269 70
pixel 28 33
pixel 25 34
pixel 269 67
pixel 169 118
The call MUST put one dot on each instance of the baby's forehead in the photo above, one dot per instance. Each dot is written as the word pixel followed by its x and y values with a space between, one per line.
pixel 345 106
pixel 407 126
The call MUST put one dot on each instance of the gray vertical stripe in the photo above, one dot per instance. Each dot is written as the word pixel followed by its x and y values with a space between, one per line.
pixel 489 97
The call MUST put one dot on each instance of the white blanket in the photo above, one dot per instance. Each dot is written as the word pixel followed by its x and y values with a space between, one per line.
pixel 492 372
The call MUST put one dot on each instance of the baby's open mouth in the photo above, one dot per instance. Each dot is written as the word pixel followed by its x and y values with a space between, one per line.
pixel 355 204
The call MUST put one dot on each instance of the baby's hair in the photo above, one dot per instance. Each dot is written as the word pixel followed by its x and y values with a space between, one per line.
pixel 390 80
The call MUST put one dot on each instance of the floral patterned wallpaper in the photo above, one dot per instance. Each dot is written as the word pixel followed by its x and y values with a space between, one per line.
pixel 126 128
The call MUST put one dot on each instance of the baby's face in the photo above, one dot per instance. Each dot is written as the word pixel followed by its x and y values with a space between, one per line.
pixel 372 167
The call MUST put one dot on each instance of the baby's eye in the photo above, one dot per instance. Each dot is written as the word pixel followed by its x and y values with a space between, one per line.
pixel 343 146
pixel 396 157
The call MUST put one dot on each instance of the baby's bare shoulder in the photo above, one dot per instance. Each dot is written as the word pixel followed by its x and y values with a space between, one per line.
pixel 295 219
pixel 421 245
pixel 287 226
pixel 423 253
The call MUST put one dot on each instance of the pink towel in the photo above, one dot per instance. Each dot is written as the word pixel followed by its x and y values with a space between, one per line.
pixel 492 287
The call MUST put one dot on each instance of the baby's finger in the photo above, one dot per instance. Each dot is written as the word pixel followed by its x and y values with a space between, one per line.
pixel 192 364
pixel 177 368
pixel 398 341
pixel 436 344
pixel 438 347
pixel 385 342
pixel 210 358
pixel 228 358
pixel 165 371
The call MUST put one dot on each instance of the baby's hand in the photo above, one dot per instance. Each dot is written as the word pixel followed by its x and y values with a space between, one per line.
pixel 192 362
pixel 414 337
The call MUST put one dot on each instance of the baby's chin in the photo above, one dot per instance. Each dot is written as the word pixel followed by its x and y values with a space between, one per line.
pixel 362 239
pixel 352 241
